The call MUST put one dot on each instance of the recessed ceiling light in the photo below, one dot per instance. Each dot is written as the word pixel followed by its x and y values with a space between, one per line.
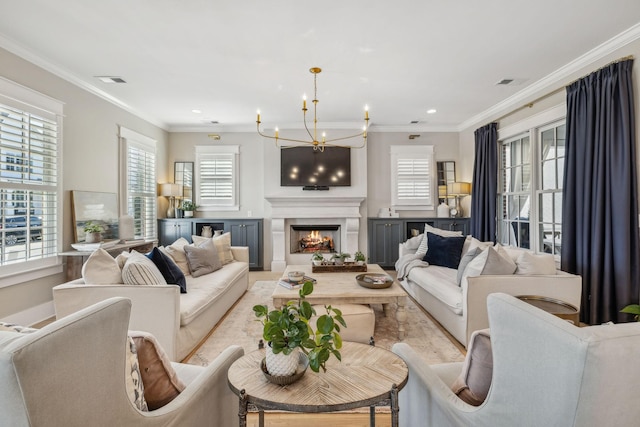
pixel 110 79
pixel 432 111
pixel 196 111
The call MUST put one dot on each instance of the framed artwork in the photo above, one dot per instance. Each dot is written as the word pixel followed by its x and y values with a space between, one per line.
pixel 99 208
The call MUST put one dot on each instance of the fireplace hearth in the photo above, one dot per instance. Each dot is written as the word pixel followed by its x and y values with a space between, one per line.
pixel 314 238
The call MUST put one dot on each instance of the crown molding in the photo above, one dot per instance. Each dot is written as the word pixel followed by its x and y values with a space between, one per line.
pixel 557 78
pixel 27 55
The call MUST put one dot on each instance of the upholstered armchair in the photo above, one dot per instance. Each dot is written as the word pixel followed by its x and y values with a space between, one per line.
pixel 72 373
pixel 546 372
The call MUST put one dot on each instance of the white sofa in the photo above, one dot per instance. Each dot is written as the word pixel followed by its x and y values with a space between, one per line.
pixel 178 321
pixel 463 309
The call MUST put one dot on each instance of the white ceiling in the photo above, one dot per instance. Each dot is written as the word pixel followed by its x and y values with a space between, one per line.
pixel 228 59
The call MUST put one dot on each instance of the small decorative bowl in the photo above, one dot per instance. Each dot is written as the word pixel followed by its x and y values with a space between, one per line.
pixel 374 281
pixel 296 276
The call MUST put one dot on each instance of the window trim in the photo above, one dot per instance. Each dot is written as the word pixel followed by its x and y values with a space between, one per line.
pixel 413 151
pixel 234 150
pixel 33 102
pixel 530 126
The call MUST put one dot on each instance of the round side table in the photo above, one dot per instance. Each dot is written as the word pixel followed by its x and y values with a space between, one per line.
pixel 367 375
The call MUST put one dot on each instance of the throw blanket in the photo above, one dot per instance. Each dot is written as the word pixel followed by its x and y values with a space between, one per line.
pixel 408 262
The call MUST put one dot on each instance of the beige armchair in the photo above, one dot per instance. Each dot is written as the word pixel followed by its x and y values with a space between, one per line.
pixel 72 373
pixel 546 372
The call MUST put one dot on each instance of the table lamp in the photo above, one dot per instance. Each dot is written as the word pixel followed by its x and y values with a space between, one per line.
pixel 457 190
pixel 171 191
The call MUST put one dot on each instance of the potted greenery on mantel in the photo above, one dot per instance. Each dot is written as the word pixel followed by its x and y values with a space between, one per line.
pixel 188 207
pixel 92 232
pixel 288 329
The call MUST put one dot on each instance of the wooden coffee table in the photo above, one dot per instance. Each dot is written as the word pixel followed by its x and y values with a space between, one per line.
pixel 367 375
pixel 335 288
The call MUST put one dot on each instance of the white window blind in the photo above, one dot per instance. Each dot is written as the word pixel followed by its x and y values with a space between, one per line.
pixel 413 177
pixel 216 169
pixel 29 147
pixel 140 178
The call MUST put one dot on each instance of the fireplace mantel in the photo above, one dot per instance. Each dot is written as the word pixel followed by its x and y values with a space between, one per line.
pixel 283 209
pixel 315 207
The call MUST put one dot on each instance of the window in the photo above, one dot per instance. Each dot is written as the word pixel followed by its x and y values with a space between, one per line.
pixel 139 172
pixel 412 177
pixel 217 178
pixel 530 189
pixel 29 183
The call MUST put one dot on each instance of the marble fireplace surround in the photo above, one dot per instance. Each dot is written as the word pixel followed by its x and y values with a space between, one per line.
pixel 344 211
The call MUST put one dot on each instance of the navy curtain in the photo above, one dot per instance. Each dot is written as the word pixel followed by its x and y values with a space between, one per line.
pixel 485 184
pixel 600 207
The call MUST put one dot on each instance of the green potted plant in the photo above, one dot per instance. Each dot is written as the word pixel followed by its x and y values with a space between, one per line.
pixel 632 309
pixel 359 258
pixel 188 207
pixel 340 257
pixel 317 258
pixel 92 232
pixel 288 331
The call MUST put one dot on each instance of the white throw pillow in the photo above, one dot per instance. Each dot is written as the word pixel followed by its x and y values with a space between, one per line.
pixel 489 261
pixel 472 243
pixel 121 259
pixel 140 270
pixel 529 263
pixel 424 245
pixel 176 252
pixel 101 268
pixel 414 242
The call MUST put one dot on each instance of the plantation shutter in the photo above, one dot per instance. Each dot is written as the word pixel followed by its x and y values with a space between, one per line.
pixel 29 148
pixel 140 182
pixel 413 177
pixel 216 169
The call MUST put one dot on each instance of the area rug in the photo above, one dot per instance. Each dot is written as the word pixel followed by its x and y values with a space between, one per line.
pixel 240 327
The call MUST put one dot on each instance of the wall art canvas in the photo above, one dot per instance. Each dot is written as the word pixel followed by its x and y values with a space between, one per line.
pixel 99 208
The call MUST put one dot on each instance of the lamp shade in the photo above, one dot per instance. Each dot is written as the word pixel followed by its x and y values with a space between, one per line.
pixel 170 190
pixel 459 188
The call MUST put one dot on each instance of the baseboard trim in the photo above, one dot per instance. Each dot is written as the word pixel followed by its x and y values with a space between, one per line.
pixel 32 315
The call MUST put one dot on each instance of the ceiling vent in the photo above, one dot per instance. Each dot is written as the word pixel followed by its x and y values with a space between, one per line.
pixel 111 79
pixel 414 122
pixel 505 82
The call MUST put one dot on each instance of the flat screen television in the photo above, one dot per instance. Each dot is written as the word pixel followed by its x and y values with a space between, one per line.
pixel 306 167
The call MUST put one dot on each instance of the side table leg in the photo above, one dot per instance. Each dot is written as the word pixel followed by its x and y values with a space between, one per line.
pixel 401 317
pixel 372 416
pixel 242 412
pixel 394 405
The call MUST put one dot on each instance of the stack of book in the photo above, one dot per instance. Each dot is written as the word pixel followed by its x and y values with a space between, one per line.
pixel 289 284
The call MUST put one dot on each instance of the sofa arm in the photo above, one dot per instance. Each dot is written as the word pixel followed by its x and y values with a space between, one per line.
pixel 154 309
pixel 240 253
pixel 562 286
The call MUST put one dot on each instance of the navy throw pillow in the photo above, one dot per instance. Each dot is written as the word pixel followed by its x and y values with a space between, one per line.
pixel 444 251
pixel 170 271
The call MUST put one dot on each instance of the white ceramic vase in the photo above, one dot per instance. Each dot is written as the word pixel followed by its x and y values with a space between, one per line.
pixel 93 237
pixel 207 231
pixel 188 214
pixel 282 365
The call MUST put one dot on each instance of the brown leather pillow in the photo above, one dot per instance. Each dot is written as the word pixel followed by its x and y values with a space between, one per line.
pixel 161 383
pixel 474 381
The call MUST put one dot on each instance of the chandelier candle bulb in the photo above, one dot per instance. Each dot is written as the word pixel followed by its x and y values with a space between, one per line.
pixel 366 112
pixel 258 120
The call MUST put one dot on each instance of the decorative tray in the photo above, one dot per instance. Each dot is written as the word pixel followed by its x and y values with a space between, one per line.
pixel 374 281
pixel 90 247
pixel 303 363
pixel 344 268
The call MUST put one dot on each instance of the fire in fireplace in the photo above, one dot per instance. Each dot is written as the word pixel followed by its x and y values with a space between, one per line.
pixel 312 238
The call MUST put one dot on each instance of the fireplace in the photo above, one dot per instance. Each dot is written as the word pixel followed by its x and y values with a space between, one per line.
pixel 312 238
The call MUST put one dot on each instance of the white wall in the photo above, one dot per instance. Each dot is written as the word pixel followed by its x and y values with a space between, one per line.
pixel 90 159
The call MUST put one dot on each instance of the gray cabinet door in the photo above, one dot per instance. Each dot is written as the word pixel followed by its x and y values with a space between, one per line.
pixel 454 224
pixel 170 230
pixel 384 237
pixel 248 233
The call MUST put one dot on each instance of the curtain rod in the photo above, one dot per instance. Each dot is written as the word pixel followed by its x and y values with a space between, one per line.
pixel 560 89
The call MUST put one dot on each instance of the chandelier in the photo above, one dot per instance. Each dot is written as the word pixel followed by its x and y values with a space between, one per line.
pixel 318 145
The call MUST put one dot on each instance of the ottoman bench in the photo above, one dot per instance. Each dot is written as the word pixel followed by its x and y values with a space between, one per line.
pixel 360 320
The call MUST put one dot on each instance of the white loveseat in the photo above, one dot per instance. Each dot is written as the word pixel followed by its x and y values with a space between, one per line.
pixel 462 309
pixel 179 321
